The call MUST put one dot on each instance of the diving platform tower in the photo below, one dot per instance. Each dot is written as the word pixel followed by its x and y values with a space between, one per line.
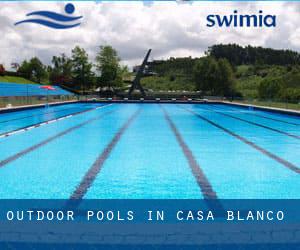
pixel 136 82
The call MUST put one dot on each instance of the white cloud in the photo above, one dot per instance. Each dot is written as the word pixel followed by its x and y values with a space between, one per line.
pixel 170 29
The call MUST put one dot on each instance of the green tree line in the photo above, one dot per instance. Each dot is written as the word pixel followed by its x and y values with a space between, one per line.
pixel 77 71
pixel 226 70
pixel 232 70
pixel 238 55
pixel 209 75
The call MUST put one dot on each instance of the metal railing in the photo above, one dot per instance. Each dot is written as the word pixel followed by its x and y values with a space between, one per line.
pixel 15 101
pixel 274 103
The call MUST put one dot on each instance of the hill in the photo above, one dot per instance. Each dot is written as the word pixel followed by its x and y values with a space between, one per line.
pixel 171 74
pixel 272 82
pixel 15 79
pixel 238 55
pixel 257 73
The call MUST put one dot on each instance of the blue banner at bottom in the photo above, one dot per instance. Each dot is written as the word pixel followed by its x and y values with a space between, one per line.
pixel 149 224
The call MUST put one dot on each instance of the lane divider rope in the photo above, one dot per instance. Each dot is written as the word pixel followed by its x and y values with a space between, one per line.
pixel 255 124
pixel 50 139
pixel 17 131
pixel 260 149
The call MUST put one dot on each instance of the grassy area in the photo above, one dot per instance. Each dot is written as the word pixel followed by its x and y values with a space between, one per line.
pixel 272 104
pixel 258 81
pixel 248 86
pixel 165 83
pixel 249 77
pixel 15 79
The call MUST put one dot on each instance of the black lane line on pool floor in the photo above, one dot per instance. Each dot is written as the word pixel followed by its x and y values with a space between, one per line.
pixel 6 134
pixel 203 182
pixel 256 124
pixel 273 119
pixel 266 117
pixel 94 170
pixel 283 162
pixel 50 139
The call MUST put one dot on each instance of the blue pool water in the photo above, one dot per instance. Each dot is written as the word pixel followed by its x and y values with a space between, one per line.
pixel 17 120
pixel 149 151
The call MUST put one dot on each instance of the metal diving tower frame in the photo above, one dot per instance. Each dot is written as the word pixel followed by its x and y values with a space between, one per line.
pixel 136 82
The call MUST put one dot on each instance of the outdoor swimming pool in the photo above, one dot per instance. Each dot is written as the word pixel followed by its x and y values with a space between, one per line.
pixel 95 151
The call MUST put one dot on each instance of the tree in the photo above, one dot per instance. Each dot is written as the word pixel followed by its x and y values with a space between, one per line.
pixel 238 55
pixel 25 69
pixel 61 71
pixel 38 70
pixel 205 73
pixel 224 84
pixel 2 70
pixel 290 94
pixel 270 88
pixel 214 76
pixel 33 70
pixel 107 64
pixel 81 69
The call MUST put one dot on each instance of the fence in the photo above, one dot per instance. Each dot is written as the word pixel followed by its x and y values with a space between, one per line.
pixel 14 94
pixel 287 104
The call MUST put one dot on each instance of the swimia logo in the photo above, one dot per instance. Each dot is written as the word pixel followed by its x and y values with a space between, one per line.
pixel 54 20
pixel 239 20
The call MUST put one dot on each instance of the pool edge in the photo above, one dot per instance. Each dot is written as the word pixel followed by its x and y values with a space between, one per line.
pixel 34 106
pixel 263 108
pixel 242 105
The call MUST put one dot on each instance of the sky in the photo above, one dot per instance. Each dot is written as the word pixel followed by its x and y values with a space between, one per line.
pixel 171 29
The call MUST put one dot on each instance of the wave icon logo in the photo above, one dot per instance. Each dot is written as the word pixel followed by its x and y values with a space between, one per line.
pixel 54 20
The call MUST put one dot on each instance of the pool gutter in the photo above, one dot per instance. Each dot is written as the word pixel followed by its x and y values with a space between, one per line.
pixel 263 108
pixel 19 108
